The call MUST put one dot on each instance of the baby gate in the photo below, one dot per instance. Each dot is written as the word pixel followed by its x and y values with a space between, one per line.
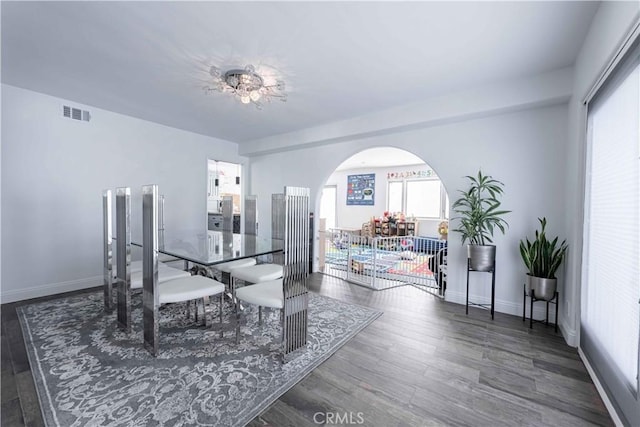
pixel 385 262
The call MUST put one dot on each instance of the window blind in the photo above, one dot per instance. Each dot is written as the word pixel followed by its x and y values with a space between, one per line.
pixel 610 315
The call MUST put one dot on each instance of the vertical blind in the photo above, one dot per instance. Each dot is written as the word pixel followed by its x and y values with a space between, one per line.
pixel 610 315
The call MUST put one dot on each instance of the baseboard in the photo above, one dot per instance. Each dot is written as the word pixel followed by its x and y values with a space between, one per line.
pixel 49 289
pixel 603 394
pixel 502 306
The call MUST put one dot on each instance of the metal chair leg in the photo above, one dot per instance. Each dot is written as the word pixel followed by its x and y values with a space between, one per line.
pixel 232 288
pixel 260 315
pixel 205 303
pixel 221 305
pixel 237 308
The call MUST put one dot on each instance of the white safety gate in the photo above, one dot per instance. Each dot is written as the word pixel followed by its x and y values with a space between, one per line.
pixel 386 262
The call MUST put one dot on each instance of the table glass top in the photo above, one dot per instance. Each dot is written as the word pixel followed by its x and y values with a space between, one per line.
pixel 213 247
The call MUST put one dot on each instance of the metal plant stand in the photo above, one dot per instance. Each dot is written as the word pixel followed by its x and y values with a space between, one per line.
pixel 533 299
pixel 493 288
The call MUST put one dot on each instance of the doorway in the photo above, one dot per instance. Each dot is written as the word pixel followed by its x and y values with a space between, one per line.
pixel 223 179
pixel 328 202
pixel 383 210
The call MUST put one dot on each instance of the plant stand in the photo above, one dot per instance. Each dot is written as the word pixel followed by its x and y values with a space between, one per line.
pixel 533 299
pixel 493 289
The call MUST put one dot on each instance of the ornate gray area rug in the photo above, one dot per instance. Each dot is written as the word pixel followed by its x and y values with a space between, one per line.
pixel 87 373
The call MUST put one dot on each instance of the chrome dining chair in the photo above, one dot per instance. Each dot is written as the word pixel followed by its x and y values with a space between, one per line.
pixel 288 292
pixel 226 267
pixel 253 275
pixel 171 285
pixel 183 289
pixel 134 268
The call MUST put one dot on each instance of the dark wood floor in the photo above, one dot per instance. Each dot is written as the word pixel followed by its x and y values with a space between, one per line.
pixel 422 363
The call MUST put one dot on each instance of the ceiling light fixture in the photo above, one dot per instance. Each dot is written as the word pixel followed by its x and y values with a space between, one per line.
pixel 247 85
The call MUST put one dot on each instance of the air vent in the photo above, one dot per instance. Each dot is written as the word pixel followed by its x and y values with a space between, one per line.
pixel 75 113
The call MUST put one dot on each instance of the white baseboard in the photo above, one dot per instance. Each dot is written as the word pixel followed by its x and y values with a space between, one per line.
pixel 49 289
pixel 502 306
pixel 603 394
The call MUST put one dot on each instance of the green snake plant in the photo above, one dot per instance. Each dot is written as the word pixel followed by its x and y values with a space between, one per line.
pixel 542 257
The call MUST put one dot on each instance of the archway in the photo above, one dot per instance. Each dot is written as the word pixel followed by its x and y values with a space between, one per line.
pixel 383 221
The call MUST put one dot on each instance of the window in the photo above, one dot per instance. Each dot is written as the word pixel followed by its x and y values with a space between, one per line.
pixel 423 199
pixel 420 198
pixel 610 319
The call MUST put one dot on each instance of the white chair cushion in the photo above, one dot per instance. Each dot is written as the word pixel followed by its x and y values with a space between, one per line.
pixel 188 288
pixel 258 273
pixel 265 294
pixel 164 273
pixel 226 267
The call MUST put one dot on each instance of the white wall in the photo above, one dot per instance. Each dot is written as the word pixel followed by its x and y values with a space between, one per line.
pixel 0 183
pixel 54 170
pixel 610 24
pixel 350 216
pixel 524 149
pixel 549 88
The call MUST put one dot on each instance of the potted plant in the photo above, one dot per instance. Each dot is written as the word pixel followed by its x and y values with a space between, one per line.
pixel 542 257
pixel 480 215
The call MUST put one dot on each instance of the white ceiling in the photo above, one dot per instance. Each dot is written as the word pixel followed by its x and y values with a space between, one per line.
pixel 339 59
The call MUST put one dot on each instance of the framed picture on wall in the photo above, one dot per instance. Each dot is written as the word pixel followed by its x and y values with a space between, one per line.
pixel 361 189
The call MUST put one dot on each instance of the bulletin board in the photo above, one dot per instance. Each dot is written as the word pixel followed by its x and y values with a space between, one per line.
pixel 361 189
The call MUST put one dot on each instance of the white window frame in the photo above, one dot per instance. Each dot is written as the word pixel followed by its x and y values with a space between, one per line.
pixel 444 199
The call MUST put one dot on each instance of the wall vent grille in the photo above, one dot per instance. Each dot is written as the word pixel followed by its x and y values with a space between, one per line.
pixel 75 113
